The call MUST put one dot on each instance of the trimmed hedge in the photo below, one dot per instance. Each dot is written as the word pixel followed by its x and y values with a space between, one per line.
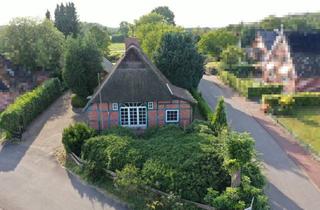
pixel 74 137
pixel 78 102
pixel 28 106
pixel 247 87
pixel 204 108
pixel 274 102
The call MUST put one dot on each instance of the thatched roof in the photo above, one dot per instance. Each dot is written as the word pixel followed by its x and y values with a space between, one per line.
pixel 135 79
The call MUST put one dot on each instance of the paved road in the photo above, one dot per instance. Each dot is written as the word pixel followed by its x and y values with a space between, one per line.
pixel 288 186
pixel 32 179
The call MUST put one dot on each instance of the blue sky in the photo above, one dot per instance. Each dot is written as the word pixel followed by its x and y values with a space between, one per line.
pixel 210 13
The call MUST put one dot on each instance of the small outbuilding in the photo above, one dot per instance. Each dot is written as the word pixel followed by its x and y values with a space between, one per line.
pixel 137 95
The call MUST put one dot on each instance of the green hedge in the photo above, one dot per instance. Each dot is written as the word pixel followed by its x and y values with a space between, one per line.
pixel 28 106
pixel 204 107
pixel 78 102
pixel 247 87
pixel 275 102
pixel 74 136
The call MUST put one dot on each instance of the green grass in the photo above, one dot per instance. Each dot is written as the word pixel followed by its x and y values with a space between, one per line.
pixel 305 124
pixel 116 48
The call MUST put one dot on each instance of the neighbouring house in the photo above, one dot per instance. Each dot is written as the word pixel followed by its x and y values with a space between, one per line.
pixel 17 80
pixel 262 44
pixel 136 94
pixel 6 97
pixel 295 62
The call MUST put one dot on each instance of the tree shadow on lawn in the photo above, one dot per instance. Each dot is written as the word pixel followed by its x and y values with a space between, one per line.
pixel 11 153
pixel 95 197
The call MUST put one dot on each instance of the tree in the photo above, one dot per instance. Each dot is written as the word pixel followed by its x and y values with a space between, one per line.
pixel 20 42
pixel 215 42
pixel 151 18
pixel 49 46
pixel 102 39
pixel 219 120
pixel 240 151
pixel 232 55
pixel 166 13
pixel 33 44
pixel 179 60
pixel 124 28
pixel 150 36
pixel 48 15
pixel 270 23
pixel 82 64
pixel 66 19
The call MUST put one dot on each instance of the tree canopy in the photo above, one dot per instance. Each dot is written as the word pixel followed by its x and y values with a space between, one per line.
pixel 232 55
pixel 178 59
pixel 216 41
pixel 33 44
pixel 82 65
pixel 66 19
pixel 102 39
pixel 166 13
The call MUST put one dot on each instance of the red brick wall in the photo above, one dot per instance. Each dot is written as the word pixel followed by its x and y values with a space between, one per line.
pixel 156 116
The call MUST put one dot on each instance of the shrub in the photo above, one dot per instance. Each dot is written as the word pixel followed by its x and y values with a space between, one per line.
pixel 78 102
pixel 28 106
pixel 247 87
pixel 74 137
pixel 204 107
pixel 238 198
pixel 283 104
pixel 219 120
pixel 110 152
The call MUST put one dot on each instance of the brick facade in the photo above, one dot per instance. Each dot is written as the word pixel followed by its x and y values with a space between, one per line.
pixel 104 116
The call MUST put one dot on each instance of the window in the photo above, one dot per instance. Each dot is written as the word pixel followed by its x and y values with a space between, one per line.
pixel 114 106
pixel 172 116
pixel 150 105
pixel 133 115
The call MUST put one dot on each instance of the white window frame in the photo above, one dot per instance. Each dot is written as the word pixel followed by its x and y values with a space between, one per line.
pixel 172 121
pixel 137 108
pixel 150 105
pixel 115 107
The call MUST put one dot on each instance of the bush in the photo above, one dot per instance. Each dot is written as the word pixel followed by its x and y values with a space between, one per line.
pixel 74 137
pixel 204 108
pixel 283 104
pixel 247 87
pixel 78 102
pixel 219 120
pixel 238 198
pixel 184 164
pixel 110 152
pixel 28 106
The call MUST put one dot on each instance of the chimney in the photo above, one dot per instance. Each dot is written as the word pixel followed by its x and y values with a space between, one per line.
pixel 131 41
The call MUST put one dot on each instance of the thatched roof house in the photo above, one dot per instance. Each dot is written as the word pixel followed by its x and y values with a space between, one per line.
pixel 137 94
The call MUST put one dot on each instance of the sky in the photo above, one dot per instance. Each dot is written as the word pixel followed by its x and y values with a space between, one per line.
pixel 188 13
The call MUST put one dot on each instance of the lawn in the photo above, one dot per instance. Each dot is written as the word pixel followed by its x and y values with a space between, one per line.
pixel 305 124
pixel 116 48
